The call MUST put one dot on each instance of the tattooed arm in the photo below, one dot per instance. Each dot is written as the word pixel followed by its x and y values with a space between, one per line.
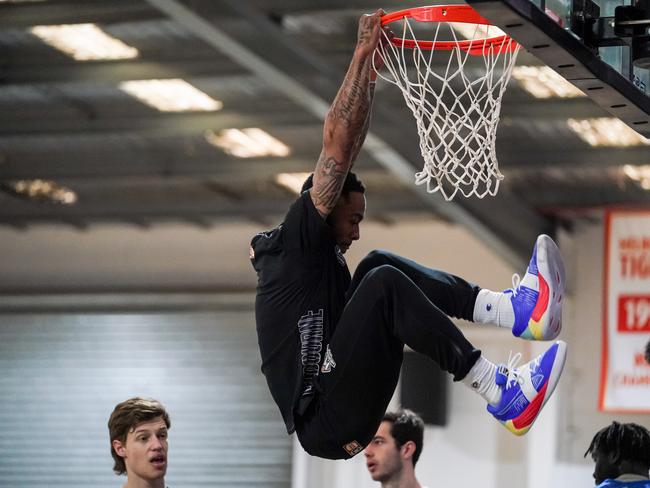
pixel 347 121
pixel 362 137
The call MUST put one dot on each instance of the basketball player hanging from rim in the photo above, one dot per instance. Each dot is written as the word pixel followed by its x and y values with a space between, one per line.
pixel 331 344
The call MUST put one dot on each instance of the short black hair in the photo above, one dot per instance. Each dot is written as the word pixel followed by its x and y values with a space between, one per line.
pixel 352 183
pixel 647 352
pixel 406 426
pixel 623 442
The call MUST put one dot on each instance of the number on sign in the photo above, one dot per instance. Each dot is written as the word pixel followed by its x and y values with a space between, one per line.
pixel 634 313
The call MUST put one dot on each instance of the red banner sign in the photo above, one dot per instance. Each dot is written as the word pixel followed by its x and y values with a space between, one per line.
pixel 625 378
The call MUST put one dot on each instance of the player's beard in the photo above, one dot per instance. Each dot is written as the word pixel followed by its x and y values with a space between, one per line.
pixel 391 470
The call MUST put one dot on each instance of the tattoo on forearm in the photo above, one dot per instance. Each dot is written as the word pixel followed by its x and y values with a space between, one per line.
pixel 345 130
pixel 365 34
pixel 328 181
pixel 362 137
pixel 351 105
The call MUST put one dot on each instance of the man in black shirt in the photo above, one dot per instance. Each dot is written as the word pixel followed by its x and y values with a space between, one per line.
pixel 332 344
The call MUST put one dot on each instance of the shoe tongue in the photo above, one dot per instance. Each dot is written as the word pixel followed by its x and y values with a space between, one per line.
pixel 501 375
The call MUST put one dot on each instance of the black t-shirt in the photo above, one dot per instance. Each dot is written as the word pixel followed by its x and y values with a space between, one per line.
pixel 302 280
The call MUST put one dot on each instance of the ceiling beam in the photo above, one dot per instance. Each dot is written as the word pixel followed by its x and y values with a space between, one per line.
pixel 569 156
pixel 105 161
pixel 17 15
pixel 172 204
pixel 527 109
pixel 324 6
pixel 155 162
pixel 158 124
pixel 558 198
pixel 21 72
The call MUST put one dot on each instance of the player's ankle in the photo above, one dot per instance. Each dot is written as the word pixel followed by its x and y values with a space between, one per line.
pixel 494 308
pixel 481 379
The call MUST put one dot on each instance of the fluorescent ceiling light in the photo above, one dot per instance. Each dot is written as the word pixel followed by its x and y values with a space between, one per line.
pixel 607 132
pixel 84 42
pixel 173 95
pixel 292 181
pixel 640 174
pixel 543 82
pixel 247 143
pixel 43 190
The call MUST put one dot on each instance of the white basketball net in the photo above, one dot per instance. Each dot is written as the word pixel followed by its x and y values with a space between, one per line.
pixel 456 109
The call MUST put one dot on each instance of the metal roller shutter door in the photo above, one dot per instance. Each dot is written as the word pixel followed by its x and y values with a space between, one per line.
pixel 63 373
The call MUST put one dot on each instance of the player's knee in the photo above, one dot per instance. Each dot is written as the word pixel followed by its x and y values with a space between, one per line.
pixel 376 258
pixel 382 274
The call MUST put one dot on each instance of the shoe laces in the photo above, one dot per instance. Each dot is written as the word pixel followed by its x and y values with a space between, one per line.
pixel 516 279
pixel 511 370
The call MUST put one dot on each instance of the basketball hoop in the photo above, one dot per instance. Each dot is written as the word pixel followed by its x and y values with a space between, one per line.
pixel 455 102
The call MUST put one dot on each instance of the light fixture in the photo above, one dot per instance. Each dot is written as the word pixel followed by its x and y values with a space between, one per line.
pixel 291 181
pixel 247 143
pixel 84 42
pixel 543 82
pixel 171 95
pixel 640 174
pixel 606 132
pixel 42 190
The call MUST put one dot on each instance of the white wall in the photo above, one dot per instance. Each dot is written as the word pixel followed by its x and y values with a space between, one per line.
pixel 123 256
pixel 186 256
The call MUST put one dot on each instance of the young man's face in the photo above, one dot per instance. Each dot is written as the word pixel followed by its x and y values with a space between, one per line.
pixel 383 458
pixel 145 450
pixel 346 217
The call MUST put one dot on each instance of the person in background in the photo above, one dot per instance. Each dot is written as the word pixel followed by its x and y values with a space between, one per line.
pixel 395 449
pixel 622 456
pixel 138 430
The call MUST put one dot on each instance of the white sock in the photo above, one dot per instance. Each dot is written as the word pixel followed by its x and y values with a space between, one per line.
pixel 481 379
pixel 494 308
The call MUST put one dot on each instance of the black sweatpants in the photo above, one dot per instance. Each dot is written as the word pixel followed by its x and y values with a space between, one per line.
pixel 392 301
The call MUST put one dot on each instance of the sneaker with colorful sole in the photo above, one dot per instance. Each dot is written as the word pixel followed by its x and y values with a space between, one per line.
pixel 537 298
pixel 526 389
